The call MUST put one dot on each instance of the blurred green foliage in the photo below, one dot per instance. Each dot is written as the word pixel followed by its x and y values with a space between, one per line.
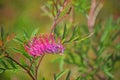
pixel 87 56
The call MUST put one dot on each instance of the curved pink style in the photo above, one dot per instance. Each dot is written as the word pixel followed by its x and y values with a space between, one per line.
pixel 43 44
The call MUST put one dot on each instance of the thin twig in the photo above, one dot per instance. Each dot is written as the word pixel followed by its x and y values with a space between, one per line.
pixel 94 11
pixel 59 20
pixel 21 67
pixel 32 63
pixel 56 19
pixel 37 67
pixel 91 15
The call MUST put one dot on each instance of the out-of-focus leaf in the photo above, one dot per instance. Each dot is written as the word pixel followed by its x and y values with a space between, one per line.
pixel 118 46
pixel 68 75
pixel 82 69
pixel 11 63
pixel 23 62
pixel 78 78
pixel 53 10
pixel 81 6
pixel 100 51
pixel 104 36
pixel 86 37
pixel 72 36
pixel 64 32
pixel 2 32
pixel 22 52
pixel 76 38
pixel 59 75
pixel 61 63
pixel 74 32
pixel 43 78
pixel 34 32
pixel 2 55
pixel 108 73
pixel 72 57
pixel 56 32
pixel 115 35
pixel 68 61
pixel 18 40
pixel 55 77
pixel 2 70
pixel 4 64
pixel 26 36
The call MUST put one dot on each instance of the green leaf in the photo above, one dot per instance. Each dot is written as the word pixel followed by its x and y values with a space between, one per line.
pixel 104 36
pixel 108 73
pixel 115 35
pixel 18 40
pixel 64 32
pixel 2 70
pixel 23 62
pixel 11 63
pixel 4 64
pixel 22 52
pixel 55 77
pixel 82 69
pixel 72 57
pixel 59 75
pixel 2 32
pixel 86 37
pixel 43 78
pixel 117 46
pixel 56 32
pixel 34 32
pixel 68 61
pixel 68 75
pixel 78 78
pixel 72 36
pixel 76 38
pixel 100 51
pixel 74 32
pixel 26 35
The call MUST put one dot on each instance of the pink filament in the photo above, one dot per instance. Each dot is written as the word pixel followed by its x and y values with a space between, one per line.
pixel 43 44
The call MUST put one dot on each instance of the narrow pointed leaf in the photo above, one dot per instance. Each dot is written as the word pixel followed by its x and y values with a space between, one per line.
pixel 108 73
pixel 22 52
pixel 58 76
pixel 73 35
pixel 4 64
pixel 26 35
pixel 64 32
pixel 68 75
pixel 2 32
pixel 78 78
pixel 2 70
pixel 56 32
pixel 55 77
pixel 18 40
pixel 34 32
pixel 11 63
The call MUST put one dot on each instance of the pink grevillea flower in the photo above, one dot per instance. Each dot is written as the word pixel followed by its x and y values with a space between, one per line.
pixel 43 44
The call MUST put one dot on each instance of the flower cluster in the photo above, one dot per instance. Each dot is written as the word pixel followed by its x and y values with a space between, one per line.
pixel 43 44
